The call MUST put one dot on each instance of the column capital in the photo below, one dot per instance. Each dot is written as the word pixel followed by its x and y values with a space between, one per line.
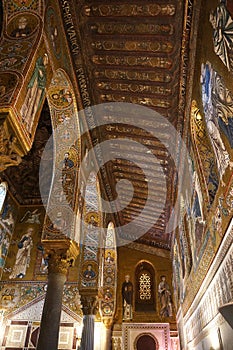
pixel 11 150
pixel 89 304
pixel 60 255
pixel 108 322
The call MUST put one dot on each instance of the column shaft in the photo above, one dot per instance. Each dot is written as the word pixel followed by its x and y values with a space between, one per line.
pixel 50 322
pixel 108 338
pixel 87 341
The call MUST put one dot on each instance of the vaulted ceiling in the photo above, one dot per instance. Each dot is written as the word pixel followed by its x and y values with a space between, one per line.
pixel 135 52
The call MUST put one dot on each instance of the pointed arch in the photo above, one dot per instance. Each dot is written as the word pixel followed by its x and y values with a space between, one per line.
pixel 145 287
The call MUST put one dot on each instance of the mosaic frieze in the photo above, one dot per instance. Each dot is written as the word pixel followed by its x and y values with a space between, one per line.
pixel 133 75
pixel 130 45
pixel 131 10
pixel 16 295
pixel 71 298
pixel 13 296
pixel 142 61
pixel 130 28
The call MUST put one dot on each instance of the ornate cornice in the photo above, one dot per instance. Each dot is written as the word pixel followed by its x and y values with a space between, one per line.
pixel 203 283
pixel 150 250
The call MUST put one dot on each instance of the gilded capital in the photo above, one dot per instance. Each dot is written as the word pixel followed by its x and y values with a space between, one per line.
pixel 10 150
pixel 89 304
pixel 60 255
pixel 108 322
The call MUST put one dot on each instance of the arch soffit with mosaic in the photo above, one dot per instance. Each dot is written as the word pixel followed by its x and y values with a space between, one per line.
pixel 22 34
pixel 67 146
pixel 109 275
pixel 90 223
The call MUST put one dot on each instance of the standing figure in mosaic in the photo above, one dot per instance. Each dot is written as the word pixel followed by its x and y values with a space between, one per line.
pixel 35 92
pixel 222 24
pixel 222 99
pixel 127 298
pixel 221 154
pixel 197 208
pixel 165 298
pixel 23 255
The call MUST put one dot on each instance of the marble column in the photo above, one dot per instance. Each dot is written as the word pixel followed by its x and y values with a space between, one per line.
pixel 89 306
pixel 59 261
pixel 108 322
